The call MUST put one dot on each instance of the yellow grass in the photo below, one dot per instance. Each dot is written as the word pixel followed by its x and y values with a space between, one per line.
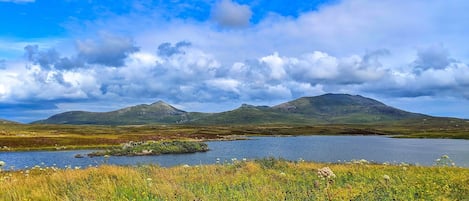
pixel 265 179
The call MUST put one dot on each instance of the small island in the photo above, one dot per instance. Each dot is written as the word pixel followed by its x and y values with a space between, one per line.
pixel 153 148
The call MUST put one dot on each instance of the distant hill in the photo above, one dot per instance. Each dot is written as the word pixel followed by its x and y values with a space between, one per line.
pixel 324 109
pixel 344 108
pixel 3 121
pixel 158 112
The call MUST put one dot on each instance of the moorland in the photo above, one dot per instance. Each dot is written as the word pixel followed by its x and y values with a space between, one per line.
pixel 258 179
pixel 329 114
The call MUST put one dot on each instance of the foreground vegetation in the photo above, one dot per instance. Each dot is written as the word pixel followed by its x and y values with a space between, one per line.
pixel 266 179
pixel 153 148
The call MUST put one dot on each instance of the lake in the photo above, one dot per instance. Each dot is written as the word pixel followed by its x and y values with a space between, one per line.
pixel 310 148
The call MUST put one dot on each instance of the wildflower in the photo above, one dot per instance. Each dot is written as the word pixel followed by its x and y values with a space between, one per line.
pixel 444 161
pixel 326 173
pixel 361 161
pixel 386 177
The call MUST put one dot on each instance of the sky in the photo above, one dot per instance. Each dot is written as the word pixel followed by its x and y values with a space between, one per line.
pixel 214 55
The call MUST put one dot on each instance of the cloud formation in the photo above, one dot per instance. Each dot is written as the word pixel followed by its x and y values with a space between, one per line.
pixel 392 49
pixel 231 14
pixel 433 57
pixel 167 50
pixel 193 75
pixel 107 50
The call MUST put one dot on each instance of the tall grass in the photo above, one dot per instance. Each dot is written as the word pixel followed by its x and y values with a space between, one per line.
pixel 265 179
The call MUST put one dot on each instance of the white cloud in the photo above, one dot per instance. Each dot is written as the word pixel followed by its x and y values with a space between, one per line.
pixel 231 14
pixel 315 66
pixel 276 65
pixel 224 84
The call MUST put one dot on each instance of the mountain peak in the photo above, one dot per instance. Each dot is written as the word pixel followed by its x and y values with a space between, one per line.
pixel 160 102
pixel 164 107
pixel 244 105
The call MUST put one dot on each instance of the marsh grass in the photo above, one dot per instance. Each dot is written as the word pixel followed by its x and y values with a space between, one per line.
pixel 268 179
pixel 57 137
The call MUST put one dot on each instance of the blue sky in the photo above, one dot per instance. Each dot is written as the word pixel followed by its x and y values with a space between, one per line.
pixel 214 55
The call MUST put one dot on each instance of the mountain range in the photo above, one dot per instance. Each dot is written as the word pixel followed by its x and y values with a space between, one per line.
pixel 323 109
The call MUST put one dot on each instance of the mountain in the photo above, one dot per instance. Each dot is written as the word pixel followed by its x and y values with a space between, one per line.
pixel 3 121
pixel 344 108
pixel 248 114
pixel 158 112
pixel 324 109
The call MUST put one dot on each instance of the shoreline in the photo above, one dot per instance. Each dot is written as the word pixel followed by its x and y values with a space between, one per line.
pixel 220 138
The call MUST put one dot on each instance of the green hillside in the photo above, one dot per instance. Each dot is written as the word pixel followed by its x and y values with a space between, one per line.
pixel 247 114
pixel 344 108
pixel 158 112
pixel 324 109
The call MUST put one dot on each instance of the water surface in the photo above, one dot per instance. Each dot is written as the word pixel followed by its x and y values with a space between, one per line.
pixel 310 148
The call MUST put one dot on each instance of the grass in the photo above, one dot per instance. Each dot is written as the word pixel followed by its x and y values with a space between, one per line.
pixel 56 137
pixel 264 179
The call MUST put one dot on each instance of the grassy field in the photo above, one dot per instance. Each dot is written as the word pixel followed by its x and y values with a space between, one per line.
pixel 266 179
pixel 57 137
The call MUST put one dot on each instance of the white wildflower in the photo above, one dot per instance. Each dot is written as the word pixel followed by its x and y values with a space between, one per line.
pixel 386 177
pixel 326 173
